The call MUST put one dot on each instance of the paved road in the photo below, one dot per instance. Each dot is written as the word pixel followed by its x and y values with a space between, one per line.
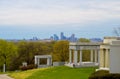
pixel 4 76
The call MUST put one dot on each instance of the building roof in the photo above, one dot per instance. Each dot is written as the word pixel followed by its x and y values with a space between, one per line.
pixel 84 44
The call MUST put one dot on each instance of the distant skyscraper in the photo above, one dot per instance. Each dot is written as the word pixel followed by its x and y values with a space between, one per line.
pixel 72 38
pixel 56 37
pixel 62 36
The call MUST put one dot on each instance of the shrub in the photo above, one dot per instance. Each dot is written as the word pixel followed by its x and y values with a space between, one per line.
pixel 23 67
pixel 103 74
pixel 31 66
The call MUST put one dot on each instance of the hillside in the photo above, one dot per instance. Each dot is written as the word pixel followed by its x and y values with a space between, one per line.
pixel 61 72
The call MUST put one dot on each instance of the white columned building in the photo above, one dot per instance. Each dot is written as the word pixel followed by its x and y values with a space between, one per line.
pixel 106 55
pixel 110 55
pixel 48 57
pixel 76 49
pixel 114 57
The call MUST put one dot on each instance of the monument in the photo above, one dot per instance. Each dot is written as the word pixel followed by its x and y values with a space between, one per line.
pixel 38 57
pixel 115 57
pixel 105 53
pixel 94 51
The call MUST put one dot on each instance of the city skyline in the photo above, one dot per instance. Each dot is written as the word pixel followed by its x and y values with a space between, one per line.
pixel 71 38
pixel 41 18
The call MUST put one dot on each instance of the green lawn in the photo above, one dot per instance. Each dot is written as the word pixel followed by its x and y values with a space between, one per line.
pixel 61 72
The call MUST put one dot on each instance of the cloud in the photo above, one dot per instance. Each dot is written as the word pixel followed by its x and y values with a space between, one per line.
pixel 57 12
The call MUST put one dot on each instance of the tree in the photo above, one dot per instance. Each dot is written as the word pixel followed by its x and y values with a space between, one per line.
pixel 27 50
pixel 86 53
pixel 84 40
pixel 117 31
pixel 61 51
pixel 7 51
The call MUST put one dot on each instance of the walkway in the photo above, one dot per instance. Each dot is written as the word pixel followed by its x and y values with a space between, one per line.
pixel 4 76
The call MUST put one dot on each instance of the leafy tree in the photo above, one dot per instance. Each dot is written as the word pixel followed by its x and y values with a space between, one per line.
pixel 60 51
pixel 86 53
pixel 7 51
pixel 84 40
pixel 27 51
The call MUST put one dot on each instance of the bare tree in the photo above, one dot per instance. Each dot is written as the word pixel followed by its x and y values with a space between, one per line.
pixel 117 31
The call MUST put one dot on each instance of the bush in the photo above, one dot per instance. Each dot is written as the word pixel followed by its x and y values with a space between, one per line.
pixel 103 74
pixel 32 66
pixel 23 67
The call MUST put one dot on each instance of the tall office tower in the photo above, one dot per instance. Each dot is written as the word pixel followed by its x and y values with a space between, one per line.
pixel 62 36
pixel 56 37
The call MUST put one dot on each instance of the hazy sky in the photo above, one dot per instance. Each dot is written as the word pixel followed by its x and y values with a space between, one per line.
pixel 42 18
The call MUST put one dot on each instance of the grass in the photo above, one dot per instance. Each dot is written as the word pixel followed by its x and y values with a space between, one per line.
pixel 1 72
pixel 61 72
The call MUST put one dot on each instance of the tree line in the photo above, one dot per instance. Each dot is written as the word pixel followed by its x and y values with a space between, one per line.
pixel 13 54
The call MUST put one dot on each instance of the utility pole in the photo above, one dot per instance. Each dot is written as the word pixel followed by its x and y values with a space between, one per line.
pixel 4 68
pixel 4 65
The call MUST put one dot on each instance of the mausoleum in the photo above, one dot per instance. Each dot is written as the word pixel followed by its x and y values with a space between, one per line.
pixel 48 57
pixel 115 57
pixel 106 54
pixel 75 57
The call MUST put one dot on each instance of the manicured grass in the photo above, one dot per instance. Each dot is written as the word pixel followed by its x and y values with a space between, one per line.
pixel 61 72
pixel 22 74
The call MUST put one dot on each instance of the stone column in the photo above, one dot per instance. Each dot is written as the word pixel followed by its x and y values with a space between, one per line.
pixel 35 60
pixel 80 57
pixel 75 56
pixel 48 61
pixel 70 56
pixel 98 51
pixel 96 56
pixel 91 56
pixel 102 58
pixel 106 58
pixel 4 67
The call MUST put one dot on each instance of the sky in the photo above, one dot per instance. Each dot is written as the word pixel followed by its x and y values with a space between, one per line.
pixel 42 18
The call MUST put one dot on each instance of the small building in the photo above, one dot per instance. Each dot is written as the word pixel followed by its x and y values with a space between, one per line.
pixel 76 54
pixel 106 55
pixel 115 57
pixel 105 52
pixel 48 57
